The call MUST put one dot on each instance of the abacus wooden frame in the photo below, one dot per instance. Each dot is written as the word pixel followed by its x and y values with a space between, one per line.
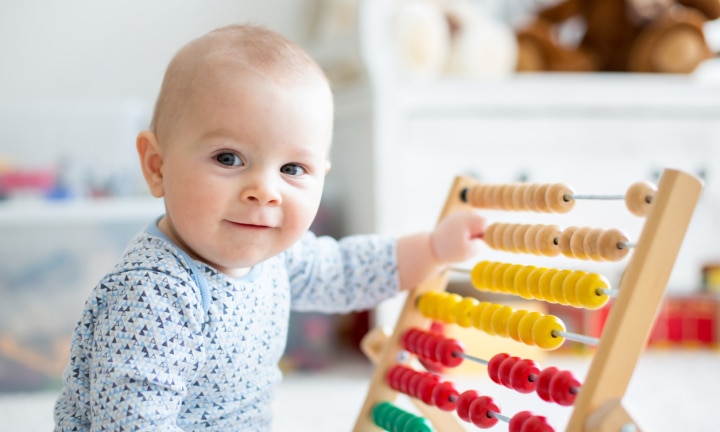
pixel 598 407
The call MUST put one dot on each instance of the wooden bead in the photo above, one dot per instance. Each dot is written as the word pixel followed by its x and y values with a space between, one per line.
pixel 476 196
pixel 577 241
pixel 588 294
pixel 591 244
pixel 638 198
pixel 564 241
pixel 534 282
pixel 500 320
pixel 521 282
pixel 539 198
pixel 497 197
pixel 518 239
pixel 555 198
pixel 463 310
pixel 508 240
pixel 611 245
pixel 508 201
pixel 499 236
pixel 544 285
pixel 546 240
pixel 488 193
pixel 489 235
pixel 529 196
pixel 509 279
pixel 517 197
pixel 529 240
pixel 513 324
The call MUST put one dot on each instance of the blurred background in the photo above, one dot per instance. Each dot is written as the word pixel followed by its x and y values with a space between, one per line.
pixel 502 90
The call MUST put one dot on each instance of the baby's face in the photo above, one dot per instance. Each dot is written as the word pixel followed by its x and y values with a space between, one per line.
pixel 244 169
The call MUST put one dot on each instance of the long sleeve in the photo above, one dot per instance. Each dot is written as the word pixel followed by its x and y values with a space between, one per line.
pixel 354 273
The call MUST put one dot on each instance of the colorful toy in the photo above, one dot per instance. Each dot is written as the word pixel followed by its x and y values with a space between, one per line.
pixel 596 401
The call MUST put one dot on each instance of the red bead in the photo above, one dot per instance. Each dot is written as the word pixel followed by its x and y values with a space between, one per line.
pixel 517 421
pixel 425 388
pixel 408 339
pixel 429 346
pixel 479 412
pixel 463 404
pixel 404 379
pixel 445 396
pixel 447 350
pixel 505 368
pixel 413 384
pixel 536 424
pixel 543 383
pixel 494 365
pixel 420 343
pixel 520 374
pixel 563 387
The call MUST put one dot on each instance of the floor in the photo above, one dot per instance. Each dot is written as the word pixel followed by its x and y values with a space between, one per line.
pixel 670 391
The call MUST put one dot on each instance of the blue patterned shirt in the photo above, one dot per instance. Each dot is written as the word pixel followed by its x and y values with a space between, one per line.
pixel 168 343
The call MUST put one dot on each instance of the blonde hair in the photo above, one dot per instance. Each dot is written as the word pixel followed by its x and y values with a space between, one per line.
pixel 244 46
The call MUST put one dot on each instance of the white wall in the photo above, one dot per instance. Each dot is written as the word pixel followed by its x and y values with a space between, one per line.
pixel 78 78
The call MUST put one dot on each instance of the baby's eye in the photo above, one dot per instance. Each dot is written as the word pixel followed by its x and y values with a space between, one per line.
pixel 292 169
pixel 229 159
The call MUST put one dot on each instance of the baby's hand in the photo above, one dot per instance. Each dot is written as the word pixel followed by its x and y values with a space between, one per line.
pixel 457 237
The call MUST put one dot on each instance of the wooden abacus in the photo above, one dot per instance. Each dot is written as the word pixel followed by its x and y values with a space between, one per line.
pixel 597 402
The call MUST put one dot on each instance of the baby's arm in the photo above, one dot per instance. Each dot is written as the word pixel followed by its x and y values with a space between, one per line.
pixel 455 239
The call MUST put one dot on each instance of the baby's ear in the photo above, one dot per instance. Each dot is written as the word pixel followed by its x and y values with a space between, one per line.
pixel 151 160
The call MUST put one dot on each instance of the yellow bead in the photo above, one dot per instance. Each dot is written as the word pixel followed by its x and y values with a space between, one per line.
pixel 486 322
pixel 525 327
pixel 477 275
pixel 463 310
pixel 534 282
pixel 587 291
pixel 542 332
pixel 500 320
pixel 476 315
pixel 556 286
pixel 570 288
pixel 521 282
pixel 509 279
pixel 425 303
pixel 446 313
pixel 497 277
pixel 513 324
pixel 544 285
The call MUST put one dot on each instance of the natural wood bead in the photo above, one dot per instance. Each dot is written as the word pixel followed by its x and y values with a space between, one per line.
pixel 519 238
pixel 508 203
pixel 529 239
pixel 555 198
pixel 475 195
pixel 497 197
pixel 592 245
pixel 576 243
pixel 611 245
pixel 497 236
pixel 508 238
pixel 539 198
pixel 529 196
pixel 564 241
pixel 546 240
pixel 638 198
pixel 489 235
pixel 517 197
pixel 487 196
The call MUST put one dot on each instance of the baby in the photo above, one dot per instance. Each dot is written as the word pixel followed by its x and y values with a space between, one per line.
pixel 186 332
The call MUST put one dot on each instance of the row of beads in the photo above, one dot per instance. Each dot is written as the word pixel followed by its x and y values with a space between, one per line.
pixel 567 287
pixel 548 197
pixel 481 411
pixel 531 328
pixel 524 376
pixel 597 244
pixel 393 419
pixel 521 375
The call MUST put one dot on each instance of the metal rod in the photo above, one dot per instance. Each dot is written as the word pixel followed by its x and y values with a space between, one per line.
pixel 568 197
pixel 471 358
pixel 499 416
pixel 576 337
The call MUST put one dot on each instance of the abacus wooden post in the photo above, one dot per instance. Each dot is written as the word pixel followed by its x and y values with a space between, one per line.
pixel 639 296
pixel 409 317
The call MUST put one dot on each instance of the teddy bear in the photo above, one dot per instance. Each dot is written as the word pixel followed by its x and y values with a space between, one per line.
pixel 664 36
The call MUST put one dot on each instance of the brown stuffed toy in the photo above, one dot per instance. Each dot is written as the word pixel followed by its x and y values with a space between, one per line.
pixel 619 36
